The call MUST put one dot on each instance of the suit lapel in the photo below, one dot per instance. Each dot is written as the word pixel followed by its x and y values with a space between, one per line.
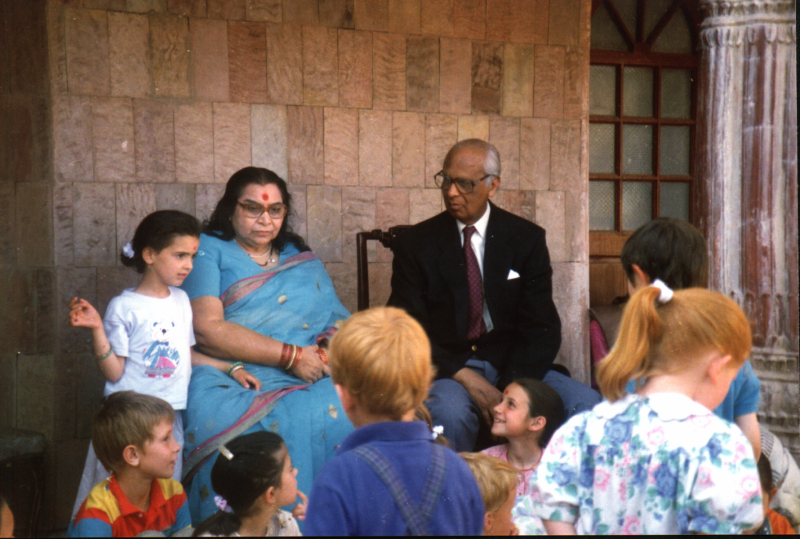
pixel 497 258
pixel 452 269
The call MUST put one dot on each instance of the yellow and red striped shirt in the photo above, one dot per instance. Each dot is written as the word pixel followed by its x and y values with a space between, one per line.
pixel 107 512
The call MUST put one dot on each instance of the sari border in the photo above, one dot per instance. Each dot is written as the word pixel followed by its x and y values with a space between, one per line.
pixel 243 287
pixel 261 406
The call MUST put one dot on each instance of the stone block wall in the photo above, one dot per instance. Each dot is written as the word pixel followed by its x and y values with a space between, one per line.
pixel 155 104
pixel 30 387
pixel 139 105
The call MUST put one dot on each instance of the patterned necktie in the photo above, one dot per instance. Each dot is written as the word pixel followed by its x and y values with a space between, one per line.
pixel 476 326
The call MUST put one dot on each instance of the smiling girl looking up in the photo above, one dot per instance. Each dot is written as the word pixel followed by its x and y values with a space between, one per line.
pixel 527 417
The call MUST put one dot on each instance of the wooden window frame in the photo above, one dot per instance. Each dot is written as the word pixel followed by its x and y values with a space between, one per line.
pixel 640 55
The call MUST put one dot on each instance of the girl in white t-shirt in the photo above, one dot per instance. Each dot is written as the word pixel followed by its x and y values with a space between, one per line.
pixel 145 341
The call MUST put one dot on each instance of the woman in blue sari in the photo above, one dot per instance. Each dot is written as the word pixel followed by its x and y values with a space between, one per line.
pixel 260 297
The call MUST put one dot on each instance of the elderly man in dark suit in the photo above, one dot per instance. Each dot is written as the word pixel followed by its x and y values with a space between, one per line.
pixel 478 279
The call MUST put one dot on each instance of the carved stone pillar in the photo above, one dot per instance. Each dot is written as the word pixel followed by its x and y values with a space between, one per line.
pixel 747 172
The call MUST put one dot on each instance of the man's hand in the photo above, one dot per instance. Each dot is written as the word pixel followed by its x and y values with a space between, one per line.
pixel 485 394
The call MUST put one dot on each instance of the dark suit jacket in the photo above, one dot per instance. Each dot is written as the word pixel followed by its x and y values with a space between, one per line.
pixel 429 281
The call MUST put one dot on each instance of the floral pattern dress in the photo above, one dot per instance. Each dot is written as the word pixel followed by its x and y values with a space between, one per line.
pixel 661 464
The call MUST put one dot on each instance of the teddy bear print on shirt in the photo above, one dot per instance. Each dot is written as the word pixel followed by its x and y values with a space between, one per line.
pixel 161 357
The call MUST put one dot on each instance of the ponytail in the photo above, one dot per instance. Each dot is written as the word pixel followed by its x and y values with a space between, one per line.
pixel 630 358
pixel 245 469
pixel 658 338
pixel 220 524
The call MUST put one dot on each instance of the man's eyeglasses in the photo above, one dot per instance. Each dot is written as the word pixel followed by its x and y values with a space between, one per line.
pixel 466 187
pixel 254 211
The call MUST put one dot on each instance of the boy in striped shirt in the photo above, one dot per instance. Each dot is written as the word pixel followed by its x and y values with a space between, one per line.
pixel 132 436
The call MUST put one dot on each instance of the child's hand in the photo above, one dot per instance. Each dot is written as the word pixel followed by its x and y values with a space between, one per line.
pixel 299 511
pixel 82 314
pixel 247 380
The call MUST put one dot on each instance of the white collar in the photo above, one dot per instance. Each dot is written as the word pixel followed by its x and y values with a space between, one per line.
pixel 480 225
pixel 668 406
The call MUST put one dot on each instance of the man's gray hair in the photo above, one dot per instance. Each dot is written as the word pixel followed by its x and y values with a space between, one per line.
pixel 491 165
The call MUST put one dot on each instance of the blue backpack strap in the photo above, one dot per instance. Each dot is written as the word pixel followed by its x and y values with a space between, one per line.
pixel 417 518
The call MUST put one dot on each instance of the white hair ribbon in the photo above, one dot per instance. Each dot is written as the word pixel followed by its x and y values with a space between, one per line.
pixel 127 250
pixel 666 292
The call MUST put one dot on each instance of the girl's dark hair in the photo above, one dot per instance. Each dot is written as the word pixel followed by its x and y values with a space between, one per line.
pixel 257 464
pixel 543 401
pixel 668 249
pixel 220 225
pixel 157 231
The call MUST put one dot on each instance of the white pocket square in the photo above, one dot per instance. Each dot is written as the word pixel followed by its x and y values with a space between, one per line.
pixel 512 275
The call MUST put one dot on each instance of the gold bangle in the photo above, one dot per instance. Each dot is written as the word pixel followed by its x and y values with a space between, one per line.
pixel 294 356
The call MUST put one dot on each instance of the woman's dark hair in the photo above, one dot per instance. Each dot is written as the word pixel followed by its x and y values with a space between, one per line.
pixel 157 231
pixel 257 464
pixel 543 401
pixel 220 225
pixel 668 249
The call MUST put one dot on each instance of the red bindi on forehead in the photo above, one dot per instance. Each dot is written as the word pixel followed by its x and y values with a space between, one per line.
pixel 505 392
pixel 265 197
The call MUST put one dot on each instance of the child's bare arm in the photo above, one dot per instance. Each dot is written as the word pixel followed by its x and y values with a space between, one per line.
pixel 83 314
pixel 240 375
pixel 555 527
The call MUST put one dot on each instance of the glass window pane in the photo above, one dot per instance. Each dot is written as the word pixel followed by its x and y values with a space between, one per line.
pixel 675 37
pixel 637 149
pixel 627 12
pixel 675 150
pixel 603 90
pixel 654 10
pixel 676 93
pixel 637 204
pixel 602 148
pixel 605 34
pixel 674 200
pixel 637 99
pixel 601 205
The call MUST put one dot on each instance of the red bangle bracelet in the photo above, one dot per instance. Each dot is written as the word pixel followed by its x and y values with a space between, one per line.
pixel 286 354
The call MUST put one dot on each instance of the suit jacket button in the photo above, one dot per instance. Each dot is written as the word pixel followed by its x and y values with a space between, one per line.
pixel 474 347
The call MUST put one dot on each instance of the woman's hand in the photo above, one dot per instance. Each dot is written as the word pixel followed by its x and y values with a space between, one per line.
pixel 82 314
pixel 299 510
pixel 308 366
pixel 247 380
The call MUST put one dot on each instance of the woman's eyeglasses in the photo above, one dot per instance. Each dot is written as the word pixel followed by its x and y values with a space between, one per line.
pixel 466 187
pixel 254 211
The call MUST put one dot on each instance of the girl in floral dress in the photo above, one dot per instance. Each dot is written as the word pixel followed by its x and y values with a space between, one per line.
pixel 658 461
